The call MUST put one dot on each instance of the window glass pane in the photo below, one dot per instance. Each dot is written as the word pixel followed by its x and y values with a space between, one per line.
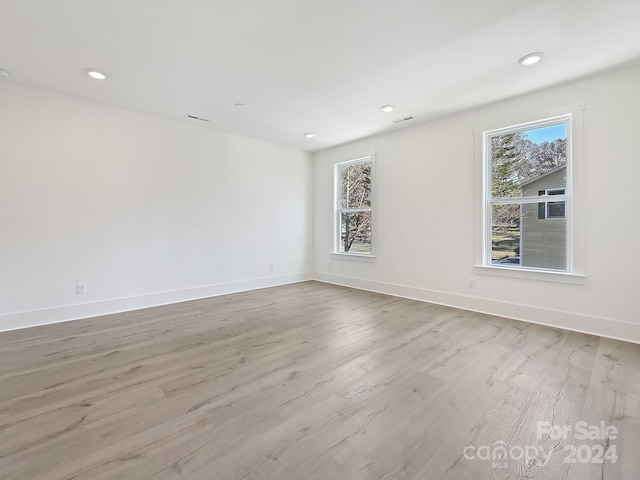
pixel 355 232
pixel 355 185
pixel 520 237
pixel 529 162
pixel 505 234
pixel 524 162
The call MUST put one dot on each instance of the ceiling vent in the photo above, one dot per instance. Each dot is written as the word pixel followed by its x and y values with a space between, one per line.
pixel 400 120
pixel 193 117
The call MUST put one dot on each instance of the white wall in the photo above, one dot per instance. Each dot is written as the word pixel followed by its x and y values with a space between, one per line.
pixel 425 198
pixel 142 209
pixel 148 211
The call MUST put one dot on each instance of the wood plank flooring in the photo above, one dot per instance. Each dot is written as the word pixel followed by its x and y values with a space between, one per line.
pixel 315 381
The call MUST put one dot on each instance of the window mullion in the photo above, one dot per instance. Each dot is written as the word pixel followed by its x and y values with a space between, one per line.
pixel 528 200
pixel 354 210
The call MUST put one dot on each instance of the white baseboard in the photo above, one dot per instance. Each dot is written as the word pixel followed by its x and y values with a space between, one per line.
pixel 33 318
pixel 604 327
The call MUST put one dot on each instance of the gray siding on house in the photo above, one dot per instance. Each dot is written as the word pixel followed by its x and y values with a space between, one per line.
pixel 543 241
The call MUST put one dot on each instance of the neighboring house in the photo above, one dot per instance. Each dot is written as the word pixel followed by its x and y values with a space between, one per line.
pixel 543 234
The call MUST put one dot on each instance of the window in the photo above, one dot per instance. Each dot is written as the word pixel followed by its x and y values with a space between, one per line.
pixel 353 198
pixel 527 195
pixel 548 210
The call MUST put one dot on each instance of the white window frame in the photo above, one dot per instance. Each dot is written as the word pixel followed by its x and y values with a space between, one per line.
pixel 575 273
pixel 338 210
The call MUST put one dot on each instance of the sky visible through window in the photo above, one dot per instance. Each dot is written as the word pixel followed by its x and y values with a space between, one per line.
pixel 547 134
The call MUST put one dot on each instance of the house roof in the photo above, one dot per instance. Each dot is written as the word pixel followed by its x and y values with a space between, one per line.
pixel 550 172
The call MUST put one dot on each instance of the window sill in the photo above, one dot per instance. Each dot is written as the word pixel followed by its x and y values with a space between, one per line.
pixel 531 274
pixel 352 256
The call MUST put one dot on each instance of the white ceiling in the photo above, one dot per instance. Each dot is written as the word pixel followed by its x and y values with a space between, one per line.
pixel 323 66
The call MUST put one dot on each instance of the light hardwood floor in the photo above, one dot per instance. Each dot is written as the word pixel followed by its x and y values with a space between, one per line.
pixel 312 381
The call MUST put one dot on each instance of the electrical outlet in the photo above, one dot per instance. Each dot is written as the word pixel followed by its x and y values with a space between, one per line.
pixel 272 267
pixel 81 288
pixel 472 283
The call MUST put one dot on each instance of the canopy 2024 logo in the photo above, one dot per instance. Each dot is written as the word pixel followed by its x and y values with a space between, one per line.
pixel 600 448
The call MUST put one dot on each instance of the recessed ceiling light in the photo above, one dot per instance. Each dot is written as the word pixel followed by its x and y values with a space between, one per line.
pixel 309 135
pixel 531 59
pixel 95 74
pixel 388 108
pixel 4 74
